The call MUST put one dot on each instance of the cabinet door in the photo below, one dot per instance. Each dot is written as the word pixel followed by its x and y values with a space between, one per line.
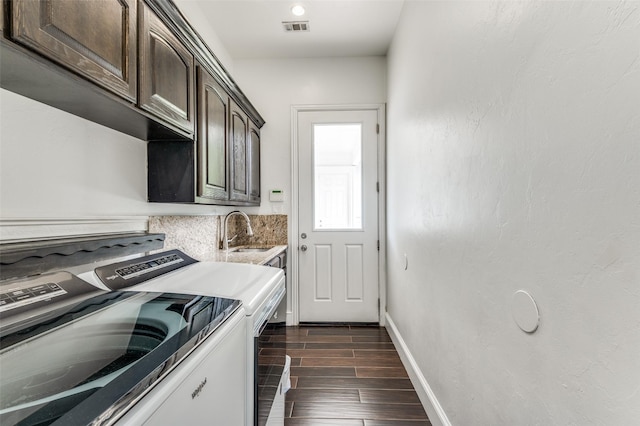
pixel 254 164
pixel 96 39
pixel 213 134
pixel 167 73
pixel 239 154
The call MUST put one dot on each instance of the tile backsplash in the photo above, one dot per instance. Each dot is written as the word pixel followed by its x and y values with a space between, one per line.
pixel 268 230
pixel 199 236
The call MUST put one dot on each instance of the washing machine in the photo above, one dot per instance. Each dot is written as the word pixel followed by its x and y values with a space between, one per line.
pixel 74 354
pixel 261 290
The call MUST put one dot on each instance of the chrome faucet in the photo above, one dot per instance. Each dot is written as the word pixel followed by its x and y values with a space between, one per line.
pixel 224 243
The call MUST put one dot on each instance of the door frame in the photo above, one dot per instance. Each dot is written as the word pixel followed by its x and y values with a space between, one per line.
pixel 293 312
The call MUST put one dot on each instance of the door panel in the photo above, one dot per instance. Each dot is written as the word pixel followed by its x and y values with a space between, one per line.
pixel 213 107
pixel 238 163
pixel 167 73
pixel 323 281
pixel 338 215
pixel 254 161
pixel 169 65
pixel 355 278
pixel 96 39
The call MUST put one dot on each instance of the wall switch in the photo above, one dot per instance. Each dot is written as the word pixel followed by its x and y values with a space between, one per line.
pixel 276 195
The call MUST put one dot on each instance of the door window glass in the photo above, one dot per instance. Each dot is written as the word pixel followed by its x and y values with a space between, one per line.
pixel 337 178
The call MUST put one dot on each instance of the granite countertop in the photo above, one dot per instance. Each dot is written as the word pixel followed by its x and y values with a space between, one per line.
pixel 256 258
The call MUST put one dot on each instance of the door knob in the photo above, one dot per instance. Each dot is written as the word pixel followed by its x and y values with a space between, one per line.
pixel 303 247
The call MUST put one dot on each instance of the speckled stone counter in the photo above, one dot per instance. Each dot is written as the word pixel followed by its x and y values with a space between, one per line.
pixel 256 258
pixel 196 236
pixel 268 230
pixel 199 236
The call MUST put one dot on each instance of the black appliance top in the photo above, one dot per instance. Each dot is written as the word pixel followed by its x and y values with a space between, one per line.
pixel 87 360
pixel 30 296
pixel 135 271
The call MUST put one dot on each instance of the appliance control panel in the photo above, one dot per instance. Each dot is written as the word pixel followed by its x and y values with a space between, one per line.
pixel 135 271
pixel 41 291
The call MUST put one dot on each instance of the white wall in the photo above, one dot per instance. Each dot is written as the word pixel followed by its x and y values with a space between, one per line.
pixel 192 11
pixel 514 163
pixel 274 85
pixel 56 165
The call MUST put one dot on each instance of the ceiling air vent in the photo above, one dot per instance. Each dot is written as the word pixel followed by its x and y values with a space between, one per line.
pixel 296 26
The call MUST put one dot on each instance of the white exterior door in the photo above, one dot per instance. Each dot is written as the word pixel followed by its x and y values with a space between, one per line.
pixel 338 216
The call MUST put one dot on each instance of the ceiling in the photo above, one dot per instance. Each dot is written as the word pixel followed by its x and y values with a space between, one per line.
pixel 253 28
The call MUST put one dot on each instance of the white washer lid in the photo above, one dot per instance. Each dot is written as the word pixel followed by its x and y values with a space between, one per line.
pixel 249 283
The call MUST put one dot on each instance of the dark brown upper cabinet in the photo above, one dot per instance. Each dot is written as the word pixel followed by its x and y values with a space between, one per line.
pixel 254 163
pixel 167 73
pixel 239 154
pixel 130 65
pixel 95 39
pixel 212 140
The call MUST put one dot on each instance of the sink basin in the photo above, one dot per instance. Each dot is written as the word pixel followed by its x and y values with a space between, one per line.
pixel 250 249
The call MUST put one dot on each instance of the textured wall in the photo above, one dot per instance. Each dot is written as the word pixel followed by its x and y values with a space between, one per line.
pixel 514 163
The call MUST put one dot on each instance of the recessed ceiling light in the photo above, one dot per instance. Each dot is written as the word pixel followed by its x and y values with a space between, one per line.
pixel 297 10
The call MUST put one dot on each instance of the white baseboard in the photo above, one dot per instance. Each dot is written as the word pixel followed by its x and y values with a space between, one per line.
pixel 18 230
pixel 427 397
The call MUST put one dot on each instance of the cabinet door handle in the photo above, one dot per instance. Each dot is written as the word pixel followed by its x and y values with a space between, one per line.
pixel 303 247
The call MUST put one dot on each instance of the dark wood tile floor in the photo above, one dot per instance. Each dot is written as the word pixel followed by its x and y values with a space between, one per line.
pixel 348 375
